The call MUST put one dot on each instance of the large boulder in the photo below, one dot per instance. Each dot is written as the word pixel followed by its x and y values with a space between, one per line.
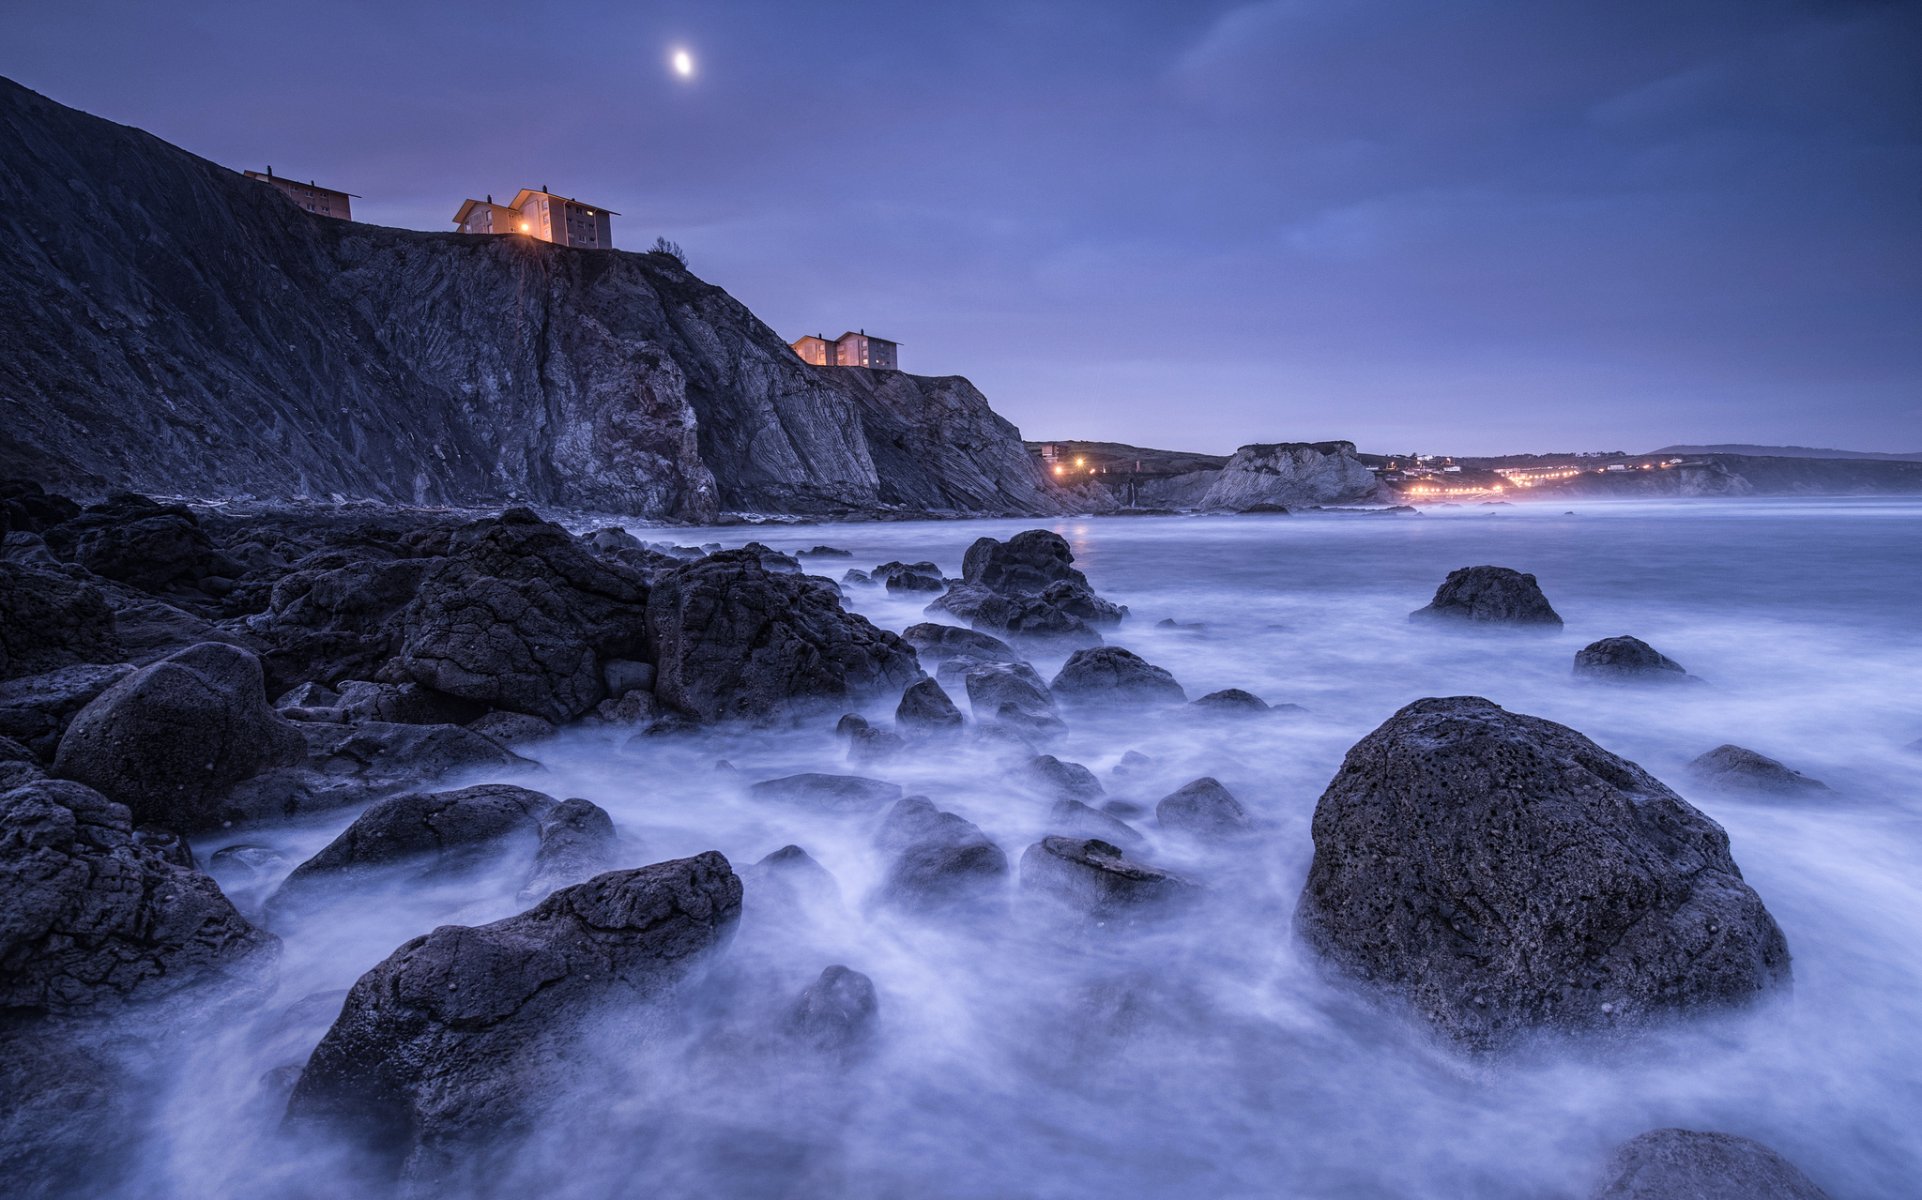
pixel 1010 694
pixel 36 709
pixel 138 542
pixel 732 640
pixel 1489 596
pixel 441 1049
pixel 1027 587
pixel 172 739
pixel 1203 809
pixel 577 843
pixel 1627 659
pixel 1739 770
pixel 1683 1164
pixel 935 643
pixel 1108 676
pixel 1026 562
pixel 941 860
pixel 1503 873
pixel 49 621
pixel 1269 478
pixel 91 919
pixel 925 707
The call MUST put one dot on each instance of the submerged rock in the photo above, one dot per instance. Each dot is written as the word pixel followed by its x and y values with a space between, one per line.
pixel 1076 819
pixel 936 643
pixel 172 739
pixel 440 1050
pixel 1112 676
pixel 1011 694
pixel 1730 768
pixel 1503 873
pixel 1098 880
pixel 941 860
pixel 1489 596
pixel 1232 701
pixel 1069 780
pixel 1203 809
pixel 92 919
pixel 788 879
pixel 829 793
pixel 1627 659
pixel 1682 1164
pixel 836 1013
pixel 577 843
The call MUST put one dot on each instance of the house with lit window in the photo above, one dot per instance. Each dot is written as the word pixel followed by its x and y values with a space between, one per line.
pixel 853 349
pixel 541 214
pixel 322 202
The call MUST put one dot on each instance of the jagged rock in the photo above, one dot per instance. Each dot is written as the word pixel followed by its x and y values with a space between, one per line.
pixel 1203 809
pixel 836 1013
pixel 826 552
pixel 1011 694
pixel 335 614
pixel 427 831
pixel 732 640
pixel 577 843
pixel 1232 701
pixel 1682 1164
pixel 440 1049
pixel 170 740
pixel 1489 596
pixel 90 919
pixel 829 793
pixel 859 578
pixel 937 643
pixel 1627 658
pixel 1069 780
pixel 1038 618
pixel 941 860
pixel 49 621
pixel 1111 676
pixel 1027 587
pixel 1075 819
pixel 634 708
pixel 1026 562
pixel 138 542
pixel 513 729
pixel 403 704
pixel 1264 478
pixel 1729 768
pixel 1503 873
pixel 27 507
pixel 925 706
pixel 36 709
pixel 908 577
pixel 1097 879
pixel 308 697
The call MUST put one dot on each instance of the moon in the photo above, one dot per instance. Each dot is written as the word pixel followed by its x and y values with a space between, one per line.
pixel 683 64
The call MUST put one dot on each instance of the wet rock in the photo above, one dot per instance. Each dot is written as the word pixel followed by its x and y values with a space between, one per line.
pixel 91 919
pixel 1026 562
pixel 826 552
pixel 856 578
pixel 577 843
pixel 512 729
pixel 1027 587
pixel 1075 819
pixel 374 755
pixel 1097 879
pixel 440 1050
pixel 909 577
pixel 49 621
pixel 733 641
pixel 1113 677
pixel 36 709
pixel 836 1014
pixel 875 745
pixel 1490 596
pixel 171 739
pixel 851 725
pixel 1627 658
pixel 1232 702
pixel 828 793
pixel 925 707
pixel 1069 780
pixel 936 643
pixel 1036 618
pixel 1133 762
pixel 1503 873
pixel 788 880
pixel 941 860
pixel 1010 693
pixel 1203 809
pixel 1682 1164
pixel 1734 769
pixel 70 1100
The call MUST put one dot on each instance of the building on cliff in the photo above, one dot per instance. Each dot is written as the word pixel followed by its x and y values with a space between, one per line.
pixel 541 214
pixel 852 349
pixel 322 202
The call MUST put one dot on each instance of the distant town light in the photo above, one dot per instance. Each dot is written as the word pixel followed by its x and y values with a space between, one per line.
pixel 683 64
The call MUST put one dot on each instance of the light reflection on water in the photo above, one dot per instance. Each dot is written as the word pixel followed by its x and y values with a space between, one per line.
pixel 1210 1057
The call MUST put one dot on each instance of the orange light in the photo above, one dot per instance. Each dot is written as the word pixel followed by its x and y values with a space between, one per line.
pixel 525 227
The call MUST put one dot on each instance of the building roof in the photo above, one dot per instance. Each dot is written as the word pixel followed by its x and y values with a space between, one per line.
pixel 521 197
pixel 864 333
pixel 309 185
pixel 468 206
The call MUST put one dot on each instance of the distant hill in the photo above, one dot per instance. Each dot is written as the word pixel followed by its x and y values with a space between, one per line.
pixel 1787 452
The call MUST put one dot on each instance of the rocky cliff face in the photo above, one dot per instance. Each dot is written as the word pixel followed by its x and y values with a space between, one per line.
pixel 1291 473
pixel 181 329
pixel 1742 475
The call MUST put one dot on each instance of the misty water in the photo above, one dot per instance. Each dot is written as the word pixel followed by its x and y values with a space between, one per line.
pixel 1209 1055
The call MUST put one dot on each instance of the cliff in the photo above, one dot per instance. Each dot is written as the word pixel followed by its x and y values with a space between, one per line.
pixel 1291 473
pixel 180 329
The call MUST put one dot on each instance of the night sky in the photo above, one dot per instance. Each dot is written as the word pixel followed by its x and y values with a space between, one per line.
pixel 1441 225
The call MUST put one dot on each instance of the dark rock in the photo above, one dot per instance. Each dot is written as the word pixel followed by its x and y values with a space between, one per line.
pixel 1682 1164
pixel 941 861
pixel 908 577
pixel 577 843
pixel 772 559
pixel 1075 819
pixel 171 739
pixel 854 577
pixel 1026 587
pixel 925 706
pixel 1026 562
pixel 1111 676
pixel 145 545
pixel 851 725
pixel 513 729
pixel 734 641
pixel 1504 873
pixel 1627 658
pixel 1069 780
pixel 403 704
pixel 634 708
pixel 1098 880
pixel 308 696
pixel 624 675
pixel 1133 762
pixel 91 919
pixel 1489 596
pixel 1232 701
pixel 1203 809
pixel 875 745
pixel 426 830
pixel 829 793
pixel 787 880
pixel 336 615
pixel 1729 768
pixel 937 643
pixel 36 709
pixel 836 1013
pixel 826 552
pixel 1035 618
pixel 49 621
pixel 1010 693
pixel 440 1050
pixel 377 754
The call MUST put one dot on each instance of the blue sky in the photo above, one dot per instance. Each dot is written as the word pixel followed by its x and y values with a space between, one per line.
pixel 1438 224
